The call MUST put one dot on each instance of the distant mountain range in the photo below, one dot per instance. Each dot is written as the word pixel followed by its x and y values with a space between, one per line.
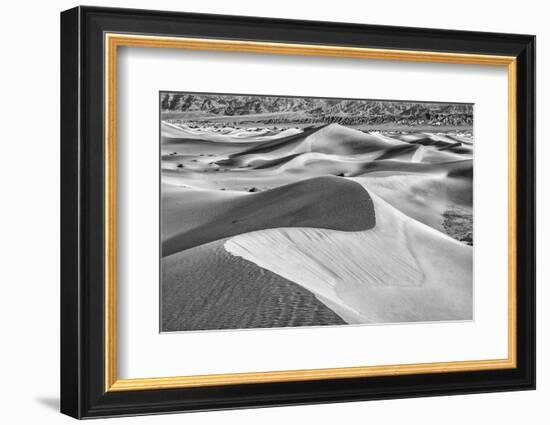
pixel 212 107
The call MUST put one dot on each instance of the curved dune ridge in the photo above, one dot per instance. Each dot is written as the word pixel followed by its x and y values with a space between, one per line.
pixel 274 227
pixel 328 139
pixel 331 149
pixel 322 202
pixel 374 276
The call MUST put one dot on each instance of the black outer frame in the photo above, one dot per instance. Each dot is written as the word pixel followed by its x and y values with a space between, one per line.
pixel 82 206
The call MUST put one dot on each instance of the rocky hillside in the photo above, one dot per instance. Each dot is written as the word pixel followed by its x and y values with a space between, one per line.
pixel 287 109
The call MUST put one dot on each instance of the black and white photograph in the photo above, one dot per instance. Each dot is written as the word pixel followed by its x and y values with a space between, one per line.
pixel 261 208
pixel 299 211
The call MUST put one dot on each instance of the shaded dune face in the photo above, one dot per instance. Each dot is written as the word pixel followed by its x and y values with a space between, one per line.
pixel 406 151
pixel 206 287
pixel 283 143
pixel 260 164
pixel 329 139
pixel 321 202
pixel 198 146
pixel 456 147
pixel 400 167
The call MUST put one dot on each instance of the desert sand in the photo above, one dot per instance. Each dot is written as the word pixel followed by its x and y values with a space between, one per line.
pixel 217 290
pixel 399 271
pixel 269 227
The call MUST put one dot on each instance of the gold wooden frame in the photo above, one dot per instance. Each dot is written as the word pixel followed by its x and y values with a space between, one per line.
pixel 113 41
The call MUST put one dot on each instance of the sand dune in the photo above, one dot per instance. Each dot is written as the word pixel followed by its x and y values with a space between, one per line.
pixel 330 139
pixel 280 146
pixel 195 147
pixel 371 276
pixel 320 225
pixel 171 132
pixel 322 202
pixel 207 288
pixel 331 149
pixel 411 172
pixel 443 143
pixel 424 197
pixel 396 167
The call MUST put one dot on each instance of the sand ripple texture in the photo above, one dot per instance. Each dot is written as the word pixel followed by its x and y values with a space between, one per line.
pixel 207 288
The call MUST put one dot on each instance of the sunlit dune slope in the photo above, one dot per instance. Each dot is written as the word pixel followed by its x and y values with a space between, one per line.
pixel 424 197
pixel 399 271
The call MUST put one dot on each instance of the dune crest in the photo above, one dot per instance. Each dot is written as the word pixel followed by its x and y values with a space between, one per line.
pixel 321 202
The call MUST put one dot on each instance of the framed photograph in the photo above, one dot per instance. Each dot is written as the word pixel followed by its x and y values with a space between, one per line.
pixel 261 212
